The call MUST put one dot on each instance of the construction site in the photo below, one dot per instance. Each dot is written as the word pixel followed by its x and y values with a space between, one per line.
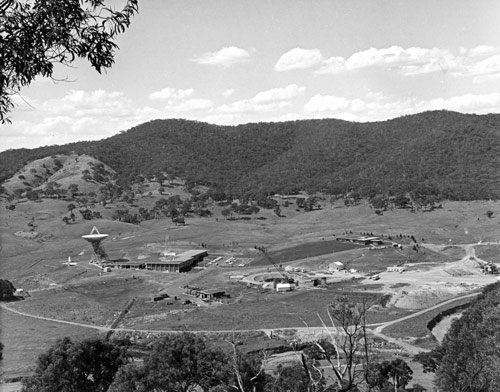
pixel 219 275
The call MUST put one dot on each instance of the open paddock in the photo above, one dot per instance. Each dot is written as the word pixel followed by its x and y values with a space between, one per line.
pixel 416 327
pixel 255 309
pixel 26 338
pixel 296 239
pixel 489 253
pixel 303 251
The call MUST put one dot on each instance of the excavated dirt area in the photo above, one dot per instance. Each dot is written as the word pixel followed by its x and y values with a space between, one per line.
pixel 425 288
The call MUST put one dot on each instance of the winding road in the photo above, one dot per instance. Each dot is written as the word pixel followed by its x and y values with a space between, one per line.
pixel 377 331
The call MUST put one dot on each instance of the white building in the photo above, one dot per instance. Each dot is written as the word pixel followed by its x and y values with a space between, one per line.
pixel 336 266
pixel 396 268
pixel 281 287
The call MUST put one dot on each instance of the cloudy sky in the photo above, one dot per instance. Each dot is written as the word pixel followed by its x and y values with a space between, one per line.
pixel 240 61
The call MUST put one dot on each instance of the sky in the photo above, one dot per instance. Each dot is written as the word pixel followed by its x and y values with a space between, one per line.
pixel 238 61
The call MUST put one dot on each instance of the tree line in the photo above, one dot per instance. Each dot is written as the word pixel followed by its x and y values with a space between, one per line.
pixel 443 154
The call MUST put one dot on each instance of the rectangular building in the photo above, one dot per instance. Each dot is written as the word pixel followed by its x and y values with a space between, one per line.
pixel 180 263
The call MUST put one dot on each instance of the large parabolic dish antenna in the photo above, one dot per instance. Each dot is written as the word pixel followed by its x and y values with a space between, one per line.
pixel 95 238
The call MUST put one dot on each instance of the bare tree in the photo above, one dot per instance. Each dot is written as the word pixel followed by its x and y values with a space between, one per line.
pixel 348 336
pixel 249 372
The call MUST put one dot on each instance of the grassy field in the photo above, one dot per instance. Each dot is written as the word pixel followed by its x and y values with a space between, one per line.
pixel 81 293
pixel 303 251
pixel 416 327
pixel 26 338
pixel 253 309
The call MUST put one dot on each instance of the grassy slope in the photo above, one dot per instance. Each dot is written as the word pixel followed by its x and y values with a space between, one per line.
pixel 32 265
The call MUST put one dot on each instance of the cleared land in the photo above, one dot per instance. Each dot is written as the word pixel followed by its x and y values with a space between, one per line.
pixel 445 267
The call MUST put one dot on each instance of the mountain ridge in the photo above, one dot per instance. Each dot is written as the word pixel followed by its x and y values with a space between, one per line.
pixel 440 152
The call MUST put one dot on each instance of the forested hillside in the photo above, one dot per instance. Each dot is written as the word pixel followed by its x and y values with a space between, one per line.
pixel 469 357
pixel 442 153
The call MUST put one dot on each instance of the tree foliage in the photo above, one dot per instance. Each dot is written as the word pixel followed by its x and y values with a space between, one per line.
pixel 444 154
pixel 37 34
pixel 389 375
pixel 177 363
pixel 345 350
pixel 86 366
pixel 469 356
pixel 7 289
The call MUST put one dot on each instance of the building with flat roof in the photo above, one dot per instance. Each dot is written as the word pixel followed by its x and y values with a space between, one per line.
pixel 180 263
pixel 396 268
pixel 363 240
pixel 124 264
pixel 336 266
pixel 205 294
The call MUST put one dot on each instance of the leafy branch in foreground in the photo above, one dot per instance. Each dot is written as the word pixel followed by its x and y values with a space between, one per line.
pixel 36 34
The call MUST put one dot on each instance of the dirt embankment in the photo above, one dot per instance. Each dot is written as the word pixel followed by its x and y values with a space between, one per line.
pixel 422 297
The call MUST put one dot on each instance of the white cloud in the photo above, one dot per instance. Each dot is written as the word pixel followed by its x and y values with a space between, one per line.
pixel 80 115
pixel 328 103
pixel 299 58
pixel 180 100
pixel 98 103
pixel 331 66
pixel 377 107
pixel 485 70
pixel 247 106
pixel 228 92
pixel 170 93
pixel 222 119
pixel 482 50
pixel 279 94
pixel 410 61
pixel 476 103
pixel 481 62
pixel 265 101
pixel 225 57
pixel 394 56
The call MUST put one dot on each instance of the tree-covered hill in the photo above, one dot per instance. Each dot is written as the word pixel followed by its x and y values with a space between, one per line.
pixel 468 359
pixel 447 153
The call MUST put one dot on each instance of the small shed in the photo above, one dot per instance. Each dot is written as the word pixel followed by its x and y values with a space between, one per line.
pixel 282 287
pixel 336 266
pixel 396 268
pixel 269 285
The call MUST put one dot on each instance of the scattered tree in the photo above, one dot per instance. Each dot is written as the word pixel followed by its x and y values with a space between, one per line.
pixel 32 195
pixel 7 289
pixel 226 212
pixel 73 189
pixel 76 366
pixel 177 363
pixel 89 215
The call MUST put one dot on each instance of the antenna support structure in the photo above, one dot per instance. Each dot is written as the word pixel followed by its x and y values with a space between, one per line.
pixel 95 239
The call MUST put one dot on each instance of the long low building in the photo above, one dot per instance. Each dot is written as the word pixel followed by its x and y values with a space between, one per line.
pixel 124 264
pixel 181 263
pixel 360 240
pixel 205 294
